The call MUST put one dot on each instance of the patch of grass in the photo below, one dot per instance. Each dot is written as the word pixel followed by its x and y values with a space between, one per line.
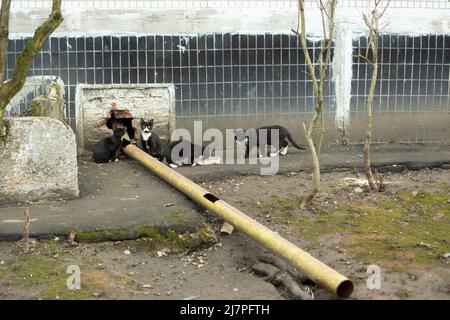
pixel 281 205
pixel 444 186
pixel 33 270
pixel 399 231
pixel 48 278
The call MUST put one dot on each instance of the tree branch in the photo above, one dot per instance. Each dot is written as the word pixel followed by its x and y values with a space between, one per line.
pixel 4 33
pixel 302 33
pixel 364 58
pixel 32 47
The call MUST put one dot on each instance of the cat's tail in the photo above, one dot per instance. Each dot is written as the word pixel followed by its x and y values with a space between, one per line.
pixel 295 144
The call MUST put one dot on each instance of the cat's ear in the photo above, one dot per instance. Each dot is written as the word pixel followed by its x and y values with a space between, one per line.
pixel 152 121
pixel 142 121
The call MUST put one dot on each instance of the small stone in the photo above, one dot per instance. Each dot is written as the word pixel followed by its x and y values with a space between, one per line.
pixel 147 286
pixel 161 253
pixel 235 289
pixel 445 256
pixel 358 190
pixel 127 252
pixel 414 193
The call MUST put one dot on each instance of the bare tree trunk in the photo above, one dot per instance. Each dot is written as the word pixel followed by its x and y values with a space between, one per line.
pixel 318 84
pixel 10 88
pixel 306 201
pixel 368 137
pixel 372 23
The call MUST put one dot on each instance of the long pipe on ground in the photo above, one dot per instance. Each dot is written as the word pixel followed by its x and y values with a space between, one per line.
pixel 310 266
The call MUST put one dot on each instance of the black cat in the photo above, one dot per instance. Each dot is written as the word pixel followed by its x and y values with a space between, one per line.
pixel 151 143
pixel 108 149
pixel 241 136
pixel 174 159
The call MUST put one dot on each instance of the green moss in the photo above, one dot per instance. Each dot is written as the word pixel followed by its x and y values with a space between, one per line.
pixel 281 205
pixel 4 130
pixel 58 290
pixel 148 232
pixel 48 278
pixel 171 235
pixel 444 186
pixel 33 270
pixel 392 230
pixel 113 234
pixel 206 234
pixel 152 238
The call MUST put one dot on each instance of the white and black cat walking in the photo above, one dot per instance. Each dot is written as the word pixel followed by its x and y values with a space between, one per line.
pixel 251 138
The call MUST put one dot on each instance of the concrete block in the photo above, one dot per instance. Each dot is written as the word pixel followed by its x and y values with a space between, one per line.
pixel 38 160
pixel 94 104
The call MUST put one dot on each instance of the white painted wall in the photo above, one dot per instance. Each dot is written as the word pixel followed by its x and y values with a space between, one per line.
pixel 79 21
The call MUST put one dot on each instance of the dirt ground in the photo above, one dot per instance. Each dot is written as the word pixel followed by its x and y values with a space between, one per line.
pixel 404 230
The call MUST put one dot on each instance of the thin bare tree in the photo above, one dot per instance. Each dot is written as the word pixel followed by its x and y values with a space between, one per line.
pixel 372 21
pixel 26 232
pixel 11 87
pixel 327 12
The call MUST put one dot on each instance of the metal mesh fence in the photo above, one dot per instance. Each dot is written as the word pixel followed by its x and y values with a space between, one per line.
pixel 246 78
pixel 215 75
pixel 413 83
pixel 136 4
pixel 230 80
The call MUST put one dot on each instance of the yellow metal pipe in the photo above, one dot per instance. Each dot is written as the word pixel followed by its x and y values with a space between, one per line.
pixel 310 266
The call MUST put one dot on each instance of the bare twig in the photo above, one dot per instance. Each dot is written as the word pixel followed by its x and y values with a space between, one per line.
pixel 26 232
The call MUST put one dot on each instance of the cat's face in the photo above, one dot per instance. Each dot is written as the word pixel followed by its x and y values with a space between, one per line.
pixel 240 136
pixel 147 126
pixel 119 132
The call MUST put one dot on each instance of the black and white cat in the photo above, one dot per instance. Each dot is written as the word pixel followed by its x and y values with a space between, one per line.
pixel 108 148
pixel 241 137
pixel 176 157
pixel 151 143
